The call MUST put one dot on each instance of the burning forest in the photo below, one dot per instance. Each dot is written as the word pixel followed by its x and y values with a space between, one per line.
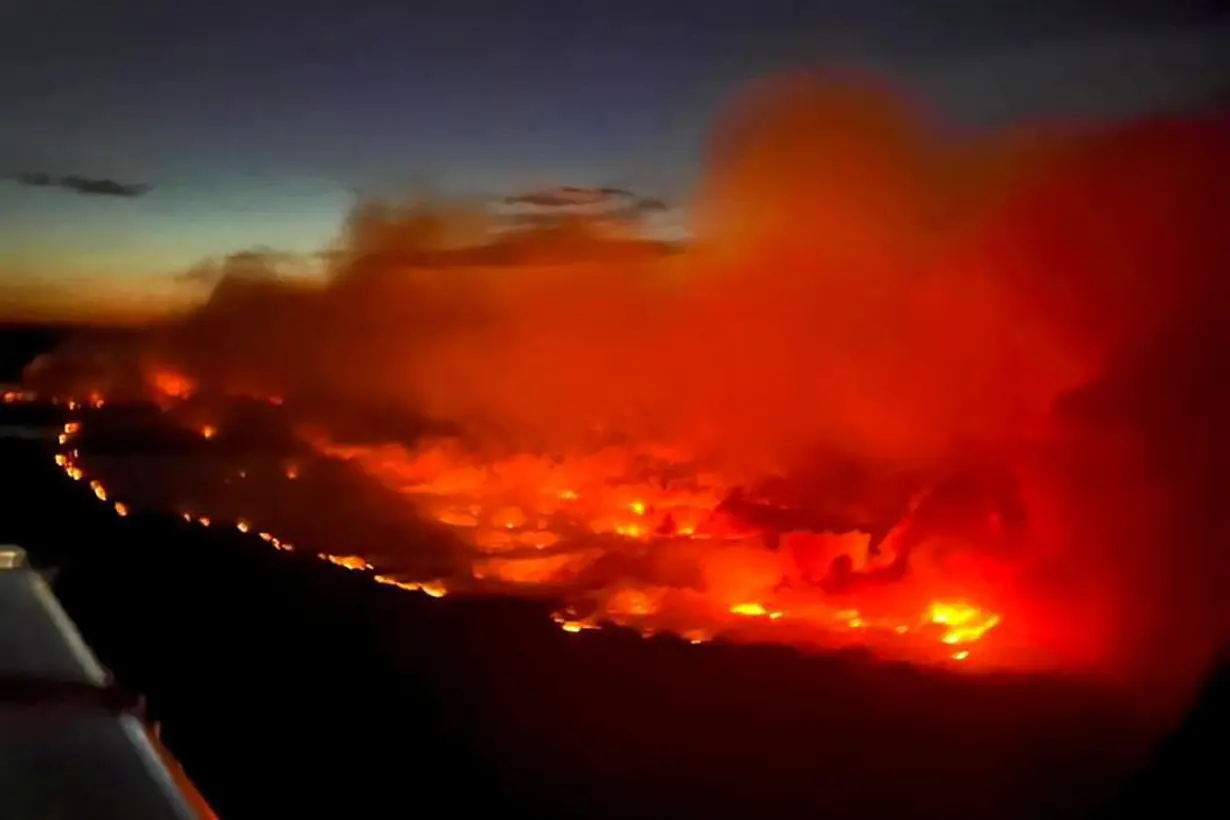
pixel 956 400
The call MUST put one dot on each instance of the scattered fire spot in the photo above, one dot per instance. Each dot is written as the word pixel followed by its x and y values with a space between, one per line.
pixel 408 586
pixel 171 385
pixel 436 589
pixel 353 562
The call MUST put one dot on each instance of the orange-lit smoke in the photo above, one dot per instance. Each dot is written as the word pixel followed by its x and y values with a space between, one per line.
pixel 857 282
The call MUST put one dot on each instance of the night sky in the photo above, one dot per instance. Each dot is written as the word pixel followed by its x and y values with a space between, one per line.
pixel 255 123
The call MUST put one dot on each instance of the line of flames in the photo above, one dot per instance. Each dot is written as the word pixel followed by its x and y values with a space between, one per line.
pixel 961 623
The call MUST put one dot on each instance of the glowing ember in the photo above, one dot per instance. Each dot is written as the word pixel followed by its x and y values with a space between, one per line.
pixel 348 561
pixel 169 384
pixel 435 589
pixel 409 586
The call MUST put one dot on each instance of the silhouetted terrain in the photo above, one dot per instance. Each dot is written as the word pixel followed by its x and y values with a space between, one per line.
pixel 21 343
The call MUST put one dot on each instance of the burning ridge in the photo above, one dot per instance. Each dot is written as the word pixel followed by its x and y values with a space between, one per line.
pixel 592 564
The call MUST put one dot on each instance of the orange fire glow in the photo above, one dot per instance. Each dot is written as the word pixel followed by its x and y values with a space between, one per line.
pixel 541 525
pixel 551 524
pixel 168 384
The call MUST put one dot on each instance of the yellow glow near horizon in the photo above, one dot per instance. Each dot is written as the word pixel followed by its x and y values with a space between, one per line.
pixel 97 299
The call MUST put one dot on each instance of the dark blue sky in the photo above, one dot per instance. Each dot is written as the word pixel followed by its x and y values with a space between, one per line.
pixel 255 121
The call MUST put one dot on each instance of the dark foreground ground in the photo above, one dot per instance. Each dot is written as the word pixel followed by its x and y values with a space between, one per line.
pixel 288 686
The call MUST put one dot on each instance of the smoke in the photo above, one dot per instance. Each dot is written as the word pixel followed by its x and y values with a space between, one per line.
pixel 858 280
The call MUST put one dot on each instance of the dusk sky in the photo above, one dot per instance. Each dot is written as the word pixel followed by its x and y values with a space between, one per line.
pixel 255 123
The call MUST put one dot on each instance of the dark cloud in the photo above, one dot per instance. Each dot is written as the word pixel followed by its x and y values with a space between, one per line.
pixel 570 196
pixel 81 185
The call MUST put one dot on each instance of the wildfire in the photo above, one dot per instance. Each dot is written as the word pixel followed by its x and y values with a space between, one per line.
pixel 169 384
pixel 538 522
pixel 545 523
pixel 963 623
pixel 348 561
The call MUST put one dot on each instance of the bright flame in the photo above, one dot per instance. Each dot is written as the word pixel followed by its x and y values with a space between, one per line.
pixel 348 561
pixel 963 623
pixel 169 384
pixel 642 513
pixel 511 508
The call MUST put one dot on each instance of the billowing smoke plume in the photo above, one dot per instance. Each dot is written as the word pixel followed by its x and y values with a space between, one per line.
pixel 858 281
